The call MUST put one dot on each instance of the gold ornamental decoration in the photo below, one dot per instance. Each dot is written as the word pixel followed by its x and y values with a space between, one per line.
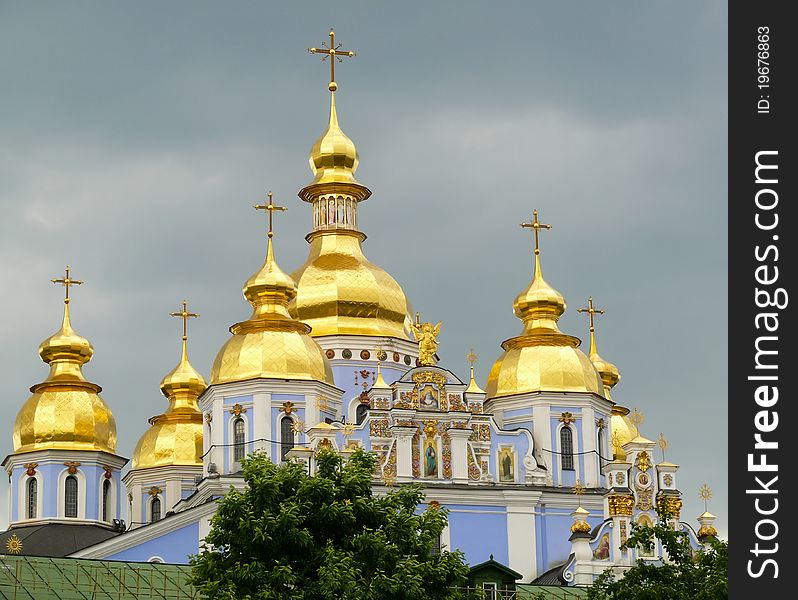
pixel 72 466
pixel 14 545
pixel 581 527
pixel 154 491
pixel 620 505
pixel 707 531
pixel 671 504
pixel 287 407
pixel 298 426
pixel 237 410
pixel 334 53
pixel 30 468
pixel 567 418
pixel 705 494
pixel 643 462
pixel 426 335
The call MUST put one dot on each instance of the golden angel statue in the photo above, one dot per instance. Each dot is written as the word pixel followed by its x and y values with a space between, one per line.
pixel 427 338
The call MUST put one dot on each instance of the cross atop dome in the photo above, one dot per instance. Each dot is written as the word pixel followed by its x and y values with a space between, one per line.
pixel 334 53
pixel 535 226
pixel 66 281
pixel 269 208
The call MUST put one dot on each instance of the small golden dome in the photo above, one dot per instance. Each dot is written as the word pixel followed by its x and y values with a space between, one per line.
pixel 333 158
pixel 340 292
pixel 270 344
pixel 65 410
pixel 175 437
pixel 542 358
pixel 623 430
pixel 608 372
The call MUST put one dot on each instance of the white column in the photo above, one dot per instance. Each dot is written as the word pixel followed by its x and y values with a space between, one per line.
pixel 404 451
pixel 172 494
pixel 459 446
pixel 589 437
pixel 261 423
pixel 216 454
pixel 521 541
pixel 541 422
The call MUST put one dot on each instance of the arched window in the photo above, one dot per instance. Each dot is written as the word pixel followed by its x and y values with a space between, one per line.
pixel 71 496
pixel 239 439
pixel 360 413
pixel 567 448
pixel 33 496
pixel 286 436
pixel 436 546
pixel 155 510
pixel 106 499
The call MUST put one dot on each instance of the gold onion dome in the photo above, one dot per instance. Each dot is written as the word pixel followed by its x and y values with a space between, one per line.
pixel 608 372
pixel 542 358
pixel 175 437
pixel 65 411
pixel 338 290
pixel 271 343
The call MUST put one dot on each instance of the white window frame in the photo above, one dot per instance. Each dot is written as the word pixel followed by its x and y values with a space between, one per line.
pixel 81 477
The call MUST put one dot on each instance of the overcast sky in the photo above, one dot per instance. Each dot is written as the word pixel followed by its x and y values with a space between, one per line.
pixel 135 137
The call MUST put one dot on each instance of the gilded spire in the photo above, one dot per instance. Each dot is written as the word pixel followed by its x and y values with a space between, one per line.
pixel 183 385
pixel 66 351
pixel 539 306
pixel 333 158
pixel 379 382
pixel 608 371
pixel 270 290
pixel 472 384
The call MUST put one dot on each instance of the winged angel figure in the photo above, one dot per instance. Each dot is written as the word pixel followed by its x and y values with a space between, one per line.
pixel 427 337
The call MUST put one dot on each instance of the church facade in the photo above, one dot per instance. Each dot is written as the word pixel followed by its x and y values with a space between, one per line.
pixel 541 470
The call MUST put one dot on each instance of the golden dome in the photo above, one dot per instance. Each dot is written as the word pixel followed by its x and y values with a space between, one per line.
pixel 270 344
pixel 333 158
pixel 542 358
pixel 175 437
pixel 623 430
pixel 65 410
pixel 340 292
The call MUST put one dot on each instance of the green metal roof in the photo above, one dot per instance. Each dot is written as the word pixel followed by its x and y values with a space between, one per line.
pixel 37 578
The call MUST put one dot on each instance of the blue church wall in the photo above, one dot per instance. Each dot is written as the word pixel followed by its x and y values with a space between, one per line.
pixel 344 376
pixel 173 547
pixel 479 531
pixel 518 413
pixel 48 489
pixel 521 445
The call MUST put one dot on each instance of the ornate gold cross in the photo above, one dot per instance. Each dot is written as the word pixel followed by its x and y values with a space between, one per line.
pixel 663 445
pixel 66 281
pixel 705 494
pixel 637 419
pixel 334 53
pixel 185 315
pixel 590 310
pixel 535 226
pixel 269 208
pixel 579 491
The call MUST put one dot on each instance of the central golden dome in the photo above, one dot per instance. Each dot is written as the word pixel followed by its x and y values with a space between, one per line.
pixel 65 411
pixel 542 358
pixel 270 344
pixel 175 437
pixel 338 290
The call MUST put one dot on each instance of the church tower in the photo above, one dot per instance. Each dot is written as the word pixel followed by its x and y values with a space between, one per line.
pixel 355 309
pixel 64 469
pixel 168 457
pixel 270 382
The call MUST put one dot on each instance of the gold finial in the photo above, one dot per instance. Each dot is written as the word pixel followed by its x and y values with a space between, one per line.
pixel 471 358
pixel 591 311
pixel 426 335
pixel 66 281
pixel 185 315
pixel 579 491
pixel 616 445
pixel 269 208
pixel 663 445
pixel 535 226
pixel 705 493
pixel 334 53
pixel 637 419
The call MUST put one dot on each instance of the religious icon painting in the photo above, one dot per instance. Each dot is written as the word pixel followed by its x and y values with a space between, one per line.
pixel 430 459
pixel 428 398
pixel 506 465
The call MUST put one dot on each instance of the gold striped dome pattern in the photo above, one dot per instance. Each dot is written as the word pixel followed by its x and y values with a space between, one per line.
pixel 65 411
pixel 270 344
pixel 175 437
pixel 542 358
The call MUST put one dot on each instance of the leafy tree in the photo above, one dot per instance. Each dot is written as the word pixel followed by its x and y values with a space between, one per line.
pixel 686 574
pixel 293 536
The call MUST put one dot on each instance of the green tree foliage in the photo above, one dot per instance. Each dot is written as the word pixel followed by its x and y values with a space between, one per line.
pixel 685 574
pixel 293 536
